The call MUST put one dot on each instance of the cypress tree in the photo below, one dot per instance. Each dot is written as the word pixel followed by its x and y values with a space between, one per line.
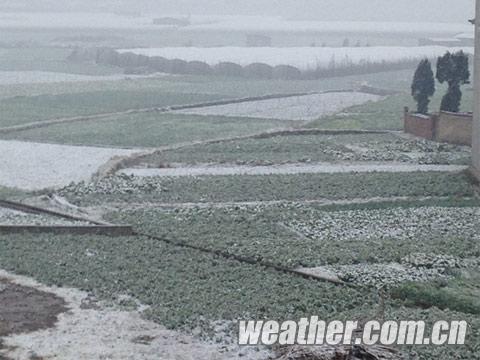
pixel 453 69
pixel 423 86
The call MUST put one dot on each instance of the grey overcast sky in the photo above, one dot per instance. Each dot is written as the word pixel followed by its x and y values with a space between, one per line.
pixel 361 10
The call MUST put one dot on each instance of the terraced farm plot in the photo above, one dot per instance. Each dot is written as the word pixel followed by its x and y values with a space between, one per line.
pixel 243 87
pixel 114 82
pixel 26 303
pixel 54 60
pixel 144 130
pixel 184 288
pixel 382 115
pixel 386 114
pixel 302 236
pixel 370 229
pixel 257 188
pixel 402 224
pixel 304 148
pixel 301 108
pixel 21 110
pixel 188 84
pixel 191 291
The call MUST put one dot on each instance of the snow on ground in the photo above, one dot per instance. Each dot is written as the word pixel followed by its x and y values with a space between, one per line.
pixel 12 217
pixel 380 275
pixel 289 169
pixel 304 58
pixel 308 107
pixel 34 166
pixel 85 333
pixel 43 77
pixel 396 223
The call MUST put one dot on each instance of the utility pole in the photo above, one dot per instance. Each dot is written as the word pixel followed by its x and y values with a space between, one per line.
pixel 476 102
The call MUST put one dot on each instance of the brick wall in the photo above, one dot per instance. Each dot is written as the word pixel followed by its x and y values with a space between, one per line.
pixel 454 128
pixel 419 125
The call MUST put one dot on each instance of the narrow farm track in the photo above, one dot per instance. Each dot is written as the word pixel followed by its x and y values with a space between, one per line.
pixel 290 169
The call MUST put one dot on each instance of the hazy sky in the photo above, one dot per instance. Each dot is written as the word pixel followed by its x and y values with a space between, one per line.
pixel 362 10
pixel 398 10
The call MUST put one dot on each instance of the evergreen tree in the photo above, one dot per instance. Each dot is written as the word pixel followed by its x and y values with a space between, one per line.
pixel 453 69
pixel 423 86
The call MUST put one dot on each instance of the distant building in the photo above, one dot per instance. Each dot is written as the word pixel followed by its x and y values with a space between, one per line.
pixel 463 39
pixel 257 40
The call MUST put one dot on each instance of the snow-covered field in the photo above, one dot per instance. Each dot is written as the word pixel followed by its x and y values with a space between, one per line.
pixel 219 23
pixel 303 58
pixel 34 166
pixel 44 77
pixel 397 223
pixel 379 275
pixel 301 108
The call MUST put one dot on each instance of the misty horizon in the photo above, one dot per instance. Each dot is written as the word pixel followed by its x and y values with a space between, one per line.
pixel 458 11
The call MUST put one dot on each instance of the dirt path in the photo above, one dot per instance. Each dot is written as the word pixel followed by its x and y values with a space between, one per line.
pixel 320 168
pixel 85 331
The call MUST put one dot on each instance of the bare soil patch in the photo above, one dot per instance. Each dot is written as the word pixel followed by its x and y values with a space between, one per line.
pixel 84 332
pixel 26 309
